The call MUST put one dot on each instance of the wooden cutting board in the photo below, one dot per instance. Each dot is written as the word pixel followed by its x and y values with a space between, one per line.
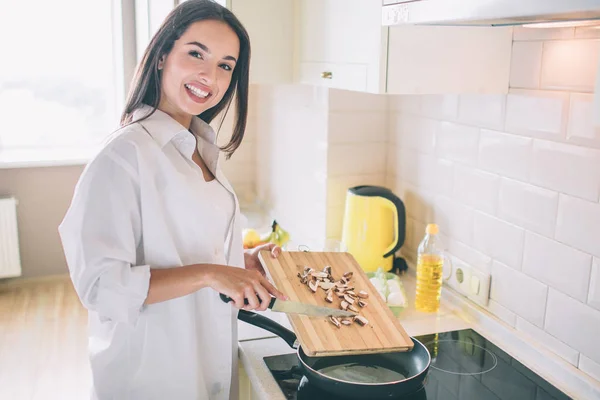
pixel 317 335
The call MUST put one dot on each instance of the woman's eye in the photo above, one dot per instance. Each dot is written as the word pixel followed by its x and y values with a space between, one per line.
pixel 195 54
pixel 226 67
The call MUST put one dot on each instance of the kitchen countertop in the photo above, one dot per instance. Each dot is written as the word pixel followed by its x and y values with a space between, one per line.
pixel 455 313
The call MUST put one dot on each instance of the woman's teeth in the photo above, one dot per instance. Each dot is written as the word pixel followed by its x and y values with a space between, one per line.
pixel 197 92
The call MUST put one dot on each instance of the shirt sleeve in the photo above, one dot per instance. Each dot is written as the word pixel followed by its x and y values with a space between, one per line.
pixel 100 234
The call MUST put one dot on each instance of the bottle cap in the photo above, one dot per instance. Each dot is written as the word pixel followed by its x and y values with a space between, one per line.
pixel 432 229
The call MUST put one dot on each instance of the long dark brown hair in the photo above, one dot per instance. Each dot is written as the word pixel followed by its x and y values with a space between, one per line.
pixel 146 83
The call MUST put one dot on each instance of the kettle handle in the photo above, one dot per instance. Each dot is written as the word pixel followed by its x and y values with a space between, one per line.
pixel 395 204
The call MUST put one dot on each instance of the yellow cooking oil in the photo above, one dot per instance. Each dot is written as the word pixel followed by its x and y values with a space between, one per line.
pixel 430 263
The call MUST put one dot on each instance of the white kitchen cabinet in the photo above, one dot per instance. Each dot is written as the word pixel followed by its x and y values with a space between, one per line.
pixel 269 24
pixel 342 44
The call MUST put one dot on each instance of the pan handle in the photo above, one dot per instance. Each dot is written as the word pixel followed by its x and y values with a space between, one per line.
pixel 269 325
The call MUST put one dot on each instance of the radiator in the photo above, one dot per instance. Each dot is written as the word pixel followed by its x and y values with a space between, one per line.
pixel 10 260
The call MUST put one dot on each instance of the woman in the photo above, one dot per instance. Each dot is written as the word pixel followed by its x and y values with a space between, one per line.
pixel 153 233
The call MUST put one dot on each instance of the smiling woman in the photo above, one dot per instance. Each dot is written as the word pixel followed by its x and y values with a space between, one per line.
pixel 153 234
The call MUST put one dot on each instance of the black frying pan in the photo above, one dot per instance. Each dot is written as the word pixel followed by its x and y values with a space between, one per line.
pixel 369 376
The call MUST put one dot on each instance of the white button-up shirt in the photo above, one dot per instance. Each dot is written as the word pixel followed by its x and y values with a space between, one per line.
pixel 142 203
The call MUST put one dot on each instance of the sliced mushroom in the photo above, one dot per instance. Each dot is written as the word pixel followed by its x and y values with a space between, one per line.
pixel 344 305
pixel 350 292
pixel 326 285
pixel 363 294
pixel 313 285
pixel 352 308
pixel 335 321
pixel 346 321
pixel 340 294
pixel 329 297
pixel 348 275
pixel 327 270
pixel 320 275
pixel 362 321
pixel 362 303
pixel 349 299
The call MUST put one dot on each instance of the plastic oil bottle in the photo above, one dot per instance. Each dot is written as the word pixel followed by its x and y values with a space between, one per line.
pixel 430 263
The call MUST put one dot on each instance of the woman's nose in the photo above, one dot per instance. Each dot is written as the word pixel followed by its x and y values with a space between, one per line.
pixel 208 75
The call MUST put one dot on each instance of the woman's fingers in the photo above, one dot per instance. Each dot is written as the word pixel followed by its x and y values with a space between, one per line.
pixel 253 301
pixel 273 290
pixel 264 296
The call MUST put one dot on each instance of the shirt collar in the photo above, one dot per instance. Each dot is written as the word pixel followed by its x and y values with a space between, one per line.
pixel 163 128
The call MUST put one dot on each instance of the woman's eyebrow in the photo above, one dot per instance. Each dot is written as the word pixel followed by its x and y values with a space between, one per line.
pixel 206 49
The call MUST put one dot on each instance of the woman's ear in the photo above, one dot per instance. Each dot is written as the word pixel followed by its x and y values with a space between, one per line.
pixel 161 63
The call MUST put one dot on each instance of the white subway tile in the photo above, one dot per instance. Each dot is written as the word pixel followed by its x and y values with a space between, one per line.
pixel 348 100
pixel 476 188
pixel 428 172
pixel 526 65
pixel 505 154
pixel 570 65
pixel 540 114
pixel 584 32
pixel 454 219
pixel 557 265
pixel 469 255
pixel 337 187
pixel 581 129
pixel 393 158
pixel 482 110
pixel 417 133
pixel 442 106
pixel 578 224
pixel 590 367
pixel 566 168
pixel 409 238
pixel 573 323
pixel 519 293
pixel 528 206
pixel 405 104
pixel 418 203
pixel 352 127
pixel 594 295
pixel 356 159
pixel 457 142
pixel 409 168
pixel 503 313
pixel 553 344
pixel 499 239
pixel 526 33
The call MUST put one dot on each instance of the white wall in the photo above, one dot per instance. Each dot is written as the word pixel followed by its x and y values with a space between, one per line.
pixel 514 183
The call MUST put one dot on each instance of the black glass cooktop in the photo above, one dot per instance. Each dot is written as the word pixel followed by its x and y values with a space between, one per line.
pixel 464 365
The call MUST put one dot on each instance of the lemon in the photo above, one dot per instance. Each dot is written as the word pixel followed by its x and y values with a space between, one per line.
pixel 250 237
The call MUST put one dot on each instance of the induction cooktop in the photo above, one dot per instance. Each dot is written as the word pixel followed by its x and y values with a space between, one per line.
pixel 464 365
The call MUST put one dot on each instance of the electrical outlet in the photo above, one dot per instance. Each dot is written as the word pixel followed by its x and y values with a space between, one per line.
pixel 469 281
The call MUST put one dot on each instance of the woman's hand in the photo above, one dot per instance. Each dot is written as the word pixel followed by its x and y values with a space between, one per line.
pixel 251 256
pixel 240 284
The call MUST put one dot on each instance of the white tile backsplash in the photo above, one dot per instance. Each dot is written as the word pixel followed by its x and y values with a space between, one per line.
pixel 415 132
pixel 528 206
pixel 457 142
pixel 505 154
pixel 578 224
pixel 476 188
pixel 521 294
pixel 499 239
pixel 356 158
pixel 526 65
pixel 357 127
pixel 566 168
pixel 455 219
pixel 573 323
pixel 503 313
pixel 527 33
pixel 594 294
pixel 539 336
pixel 540 114
pixel 557 265
pixel 570 65
pixel 485 111
pixel 581 129
pixel 439 106
pixel 469 255
pixel 590 367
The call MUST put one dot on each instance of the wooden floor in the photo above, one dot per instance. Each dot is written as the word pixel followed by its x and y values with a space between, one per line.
pixel 43 341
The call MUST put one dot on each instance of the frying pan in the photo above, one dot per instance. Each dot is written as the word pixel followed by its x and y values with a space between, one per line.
pixel 365 376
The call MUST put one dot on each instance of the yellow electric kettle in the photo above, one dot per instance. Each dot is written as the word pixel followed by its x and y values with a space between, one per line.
pixel 374 226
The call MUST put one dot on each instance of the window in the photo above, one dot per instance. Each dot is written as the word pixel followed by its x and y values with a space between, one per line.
pixel 60 94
